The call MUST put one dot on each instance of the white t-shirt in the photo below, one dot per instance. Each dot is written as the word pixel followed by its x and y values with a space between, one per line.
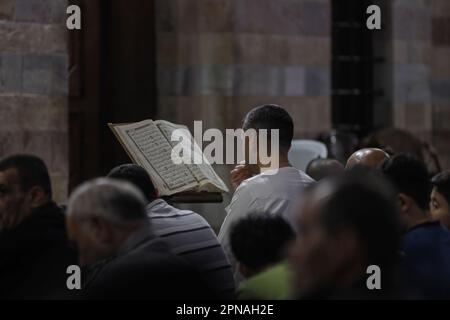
pixel 269 192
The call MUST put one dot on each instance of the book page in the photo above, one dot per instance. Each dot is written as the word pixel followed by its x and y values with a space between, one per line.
pixel 149 148
pixel 204 172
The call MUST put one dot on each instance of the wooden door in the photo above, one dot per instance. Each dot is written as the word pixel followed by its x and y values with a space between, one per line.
pixel 112 79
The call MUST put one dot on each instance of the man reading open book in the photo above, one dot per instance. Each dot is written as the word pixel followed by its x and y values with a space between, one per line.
pixel 273 191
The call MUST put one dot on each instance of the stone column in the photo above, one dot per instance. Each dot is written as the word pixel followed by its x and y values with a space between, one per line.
pixel 33 84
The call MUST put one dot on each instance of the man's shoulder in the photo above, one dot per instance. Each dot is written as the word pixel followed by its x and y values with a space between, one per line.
pixel 164 213
pixel 275 177
pixel 145 272
pixel 152 255
pixel 277 278
pixel 29 234
pixel 429 237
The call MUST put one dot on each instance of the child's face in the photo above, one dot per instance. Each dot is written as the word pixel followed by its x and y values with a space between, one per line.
pixel 439 207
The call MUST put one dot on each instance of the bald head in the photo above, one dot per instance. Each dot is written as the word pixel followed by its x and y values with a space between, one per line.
pixel 319 169
pixel 370 157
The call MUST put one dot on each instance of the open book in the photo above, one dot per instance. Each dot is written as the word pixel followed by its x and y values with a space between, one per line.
pixel 148 143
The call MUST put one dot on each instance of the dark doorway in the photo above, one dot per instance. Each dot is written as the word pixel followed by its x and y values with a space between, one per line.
pixel 353 61
pixel 112 80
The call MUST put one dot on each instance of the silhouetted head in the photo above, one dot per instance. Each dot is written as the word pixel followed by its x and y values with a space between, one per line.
pixel 258 241
pixel 137 176
pixel 267 121
pixel 370 157
pixel 440 198
pixel 101 215
pixel 319 168
pixel 24 186
pixel 410 178
pixel 271 117
pixel 345 225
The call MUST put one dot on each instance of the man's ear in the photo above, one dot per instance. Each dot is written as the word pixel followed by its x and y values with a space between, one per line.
pixel 404 202
pixel 37 197
pixel 244 270
pixel 101 230
pixel 346 244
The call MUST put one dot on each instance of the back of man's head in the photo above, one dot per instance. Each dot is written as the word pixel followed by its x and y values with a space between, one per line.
pixel 31 171
pixel 116 201
pixel 137 176
pixel 319 169
pixel 258 241
pixel 271 117
pixel 409 176
pixel 365 202
pixel 102 215
pixel 345 224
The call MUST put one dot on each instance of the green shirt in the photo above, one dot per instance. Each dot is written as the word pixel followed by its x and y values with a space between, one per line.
pixel 272 284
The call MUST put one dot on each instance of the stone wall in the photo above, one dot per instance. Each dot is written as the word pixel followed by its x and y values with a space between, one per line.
pixel 440 78
pixel 33 84
pixel 411 71
pixel 219 58
pixel 421 71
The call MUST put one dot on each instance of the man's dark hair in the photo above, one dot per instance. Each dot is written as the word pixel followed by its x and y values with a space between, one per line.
pixel 409 175
pixel 258 240
pixel 320 168
pixel 365 202
pixel 31 171
pixel 137 176
pixel 271 117
pixel 442 183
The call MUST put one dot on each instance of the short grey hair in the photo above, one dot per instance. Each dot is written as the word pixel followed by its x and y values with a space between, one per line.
pixel 117 201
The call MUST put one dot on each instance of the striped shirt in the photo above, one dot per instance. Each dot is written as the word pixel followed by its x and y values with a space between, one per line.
pixel 191 237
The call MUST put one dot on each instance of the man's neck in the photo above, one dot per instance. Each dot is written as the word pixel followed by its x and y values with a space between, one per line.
pixel 283 163
pixel 129 236
pixel 419 217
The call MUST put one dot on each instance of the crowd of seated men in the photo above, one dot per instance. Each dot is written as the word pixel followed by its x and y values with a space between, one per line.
pixel 287 234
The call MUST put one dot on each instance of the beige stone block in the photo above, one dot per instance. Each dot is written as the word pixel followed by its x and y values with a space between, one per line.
pixel 400 52
pixel 307 51
pixel 440 8
pixel 418 117
pixel 34 113
pixel 33 38
pixel 215 16
pixel 441 117
pixel 250 48
pixel 187 49
pixel 419 53
pixel 440 62
pixel 6 9
pixel 216 48
pixel 311 115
